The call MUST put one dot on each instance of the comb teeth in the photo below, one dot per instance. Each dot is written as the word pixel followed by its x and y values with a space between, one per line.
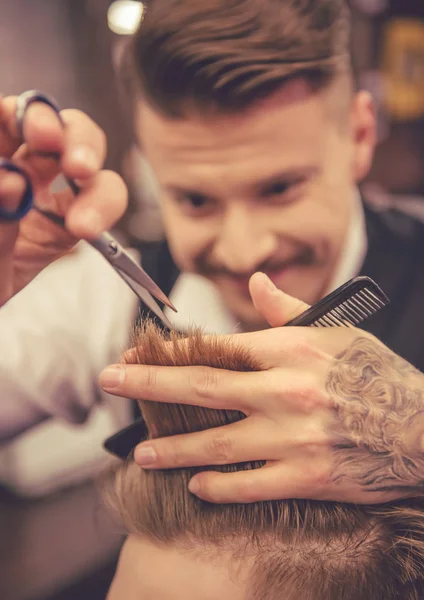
pixel 351 312
pixel 348 306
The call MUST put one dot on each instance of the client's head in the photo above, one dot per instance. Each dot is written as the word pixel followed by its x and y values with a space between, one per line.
pixel 181 548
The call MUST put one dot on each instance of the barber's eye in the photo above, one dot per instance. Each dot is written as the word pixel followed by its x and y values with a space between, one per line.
pixel 283 192
pixel 196 205
pixel 196 200
pixel 277 189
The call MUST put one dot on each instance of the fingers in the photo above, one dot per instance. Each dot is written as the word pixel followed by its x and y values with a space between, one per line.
pixel 78 140
pixel 43 131
pixel 274 481
pixel 103 196
pixel 98 206
pixel 200 386
pixel 273 304
pixel 231 444
pixel 85 146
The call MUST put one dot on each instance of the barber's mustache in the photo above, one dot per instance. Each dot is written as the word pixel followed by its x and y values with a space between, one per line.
pixel 306 257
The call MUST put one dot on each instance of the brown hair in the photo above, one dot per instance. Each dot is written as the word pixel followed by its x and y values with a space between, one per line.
pixel 318 550
pixel 229 53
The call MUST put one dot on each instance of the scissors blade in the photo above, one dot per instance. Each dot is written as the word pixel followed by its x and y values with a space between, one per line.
pixel 146 297
pixel 106 244
pixel 122 261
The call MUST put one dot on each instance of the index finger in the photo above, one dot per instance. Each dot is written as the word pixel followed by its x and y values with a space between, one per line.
pixel 199 386
pixel 42 129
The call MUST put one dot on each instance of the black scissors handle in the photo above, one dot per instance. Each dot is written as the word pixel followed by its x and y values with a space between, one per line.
pixel 27 198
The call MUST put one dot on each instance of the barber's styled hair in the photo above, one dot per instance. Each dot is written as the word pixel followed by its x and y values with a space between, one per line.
pixel 303 550
pixel 229 53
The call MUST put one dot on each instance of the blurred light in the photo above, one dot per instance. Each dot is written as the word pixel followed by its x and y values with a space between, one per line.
pixel 124 16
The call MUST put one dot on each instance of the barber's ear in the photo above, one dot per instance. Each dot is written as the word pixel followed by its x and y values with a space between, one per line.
pixel 364 132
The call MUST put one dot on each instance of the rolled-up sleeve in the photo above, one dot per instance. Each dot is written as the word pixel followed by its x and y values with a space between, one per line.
pixel 56 336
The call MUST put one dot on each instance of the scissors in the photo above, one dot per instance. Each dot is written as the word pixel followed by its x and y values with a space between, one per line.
pixel 123 263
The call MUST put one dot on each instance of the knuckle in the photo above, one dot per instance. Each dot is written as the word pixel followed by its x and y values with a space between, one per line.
pixel 220 449
pixel 307 349
pixel 313 440
pixel 310 396
pixel 302 346
pixel 205 383
pixel 150 381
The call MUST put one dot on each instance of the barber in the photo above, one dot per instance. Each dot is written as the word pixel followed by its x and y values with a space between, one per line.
pixel 269 187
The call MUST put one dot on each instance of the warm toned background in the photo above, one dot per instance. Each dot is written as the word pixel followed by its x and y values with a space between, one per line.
pixel 61 545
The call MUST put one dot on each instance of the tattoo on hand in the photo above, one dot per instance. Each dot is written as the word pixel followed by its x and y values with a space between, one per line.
pixel 379 401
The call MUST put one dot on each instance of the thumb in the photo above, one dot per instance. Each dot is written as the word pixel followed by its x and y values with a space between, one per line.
pixel 274 305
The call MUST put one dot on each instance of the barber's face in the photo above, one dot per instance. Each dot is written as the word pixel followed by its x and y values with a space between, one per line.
pixel 268 189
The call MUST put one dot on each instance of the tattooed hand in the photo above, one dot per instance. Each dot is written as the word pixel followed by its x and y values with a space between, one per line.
pixel 333 413
pixel 380 418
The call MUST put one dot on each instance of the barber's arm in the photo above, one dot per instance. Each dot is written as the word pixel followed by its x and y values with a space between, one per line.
pixel 335 414
pixel 59 332
pixel 56 335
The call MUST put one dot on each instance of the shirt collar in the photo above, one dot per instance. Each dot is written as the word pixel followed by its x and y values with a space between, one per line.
pixel 355 246
pixel 200 304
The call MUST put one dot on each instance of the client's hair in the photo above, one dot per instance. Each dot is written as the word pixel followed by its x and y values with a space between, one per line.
pixel 303 550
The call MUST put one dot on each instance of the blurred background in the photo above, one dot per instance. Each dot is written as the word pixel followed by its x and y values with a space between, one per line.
pixel 56 541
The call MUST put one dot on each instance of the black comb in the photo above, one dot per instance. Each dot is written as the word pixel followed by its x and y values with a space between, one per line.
pixel 348 306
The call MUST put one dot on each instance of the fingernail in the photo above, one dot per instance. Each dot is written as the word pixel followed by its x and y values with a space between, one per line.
pixel 194 486
pixel 112 377
pixel 145 456
pixel 269 284
pixel 93 221
pixel 86 156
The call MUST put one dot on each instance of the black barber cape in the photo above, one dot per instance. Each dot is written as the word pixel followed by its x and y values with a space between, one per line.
pixel 395 260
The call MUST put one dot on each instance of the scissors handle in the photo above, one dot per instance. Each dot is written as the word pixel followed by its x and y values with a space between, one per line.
pixel 27 198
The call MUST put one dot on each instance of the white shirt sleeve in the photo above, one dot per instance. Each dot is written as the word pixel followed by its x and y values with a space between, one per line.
pixel 56 336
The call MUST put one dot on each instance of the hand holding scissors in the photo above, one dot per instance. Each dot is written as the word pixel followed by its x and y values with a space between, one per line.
pixel 37 226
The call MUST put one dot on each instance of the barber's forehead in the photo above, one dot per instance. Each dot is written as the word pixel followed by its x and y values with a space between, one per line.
pixel 190 151
pixel 149 571
pixel 295 96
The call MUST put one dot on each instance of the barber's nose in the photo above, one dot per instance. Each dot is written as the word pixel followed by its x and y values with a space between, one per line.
pixel 244 242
